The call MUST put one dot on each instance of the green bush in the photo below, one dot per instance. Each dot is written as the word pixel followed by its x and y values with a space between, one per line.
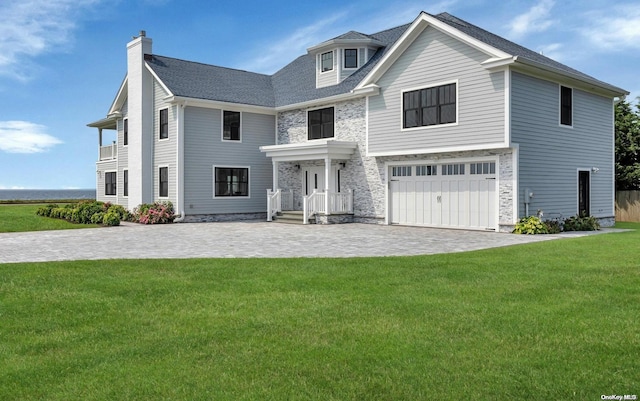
pixel 530 225
pixel 122 213
pixel 553 226
pixel 45 211
pixel 111 219
pixel 581 223
pixel 97 218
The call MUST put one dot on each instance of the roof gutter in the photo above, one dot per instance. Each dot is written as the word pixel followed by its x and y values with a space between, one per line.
pixel 369 90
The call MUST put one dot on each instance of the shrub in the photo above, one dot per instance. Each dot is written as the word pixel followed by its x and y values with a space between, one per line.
pixel 122 213
pixel 97 218
pixel 45 211
pixel 530 225
pixel 155 213
pixel 553 226
pixel 581 223
pixel 111 219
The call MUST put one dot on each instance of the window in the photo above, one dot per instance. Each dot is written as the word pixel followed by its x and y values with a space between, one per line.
pixel 320 123
pixel 125 132
pixel 426 170
pixel 453 169
pixel 110 183
pixel 482 168
pixel 351 58
pixel 231 181
pixel 163 182
pixel 125 188
pixel 231 126
pixel 430 106
pixel 164 123
pixel 566 106
pixel 326 61
pixel 401 171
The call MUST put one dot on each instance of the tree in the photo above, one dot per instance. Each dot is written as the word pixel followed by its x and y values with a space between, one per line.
pixel 627 146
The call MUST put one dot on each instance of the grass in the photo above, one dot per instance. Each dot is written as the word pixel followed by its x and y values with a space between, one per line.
pixel 22 217
pixel 551 320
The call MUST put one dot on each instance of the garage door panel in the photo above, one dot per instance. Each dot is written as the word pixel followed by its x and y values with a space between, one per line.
pixel 456 199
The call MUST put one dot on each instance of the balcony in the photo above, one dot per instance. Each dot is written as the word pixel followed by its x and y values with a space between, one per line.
pixel 109 152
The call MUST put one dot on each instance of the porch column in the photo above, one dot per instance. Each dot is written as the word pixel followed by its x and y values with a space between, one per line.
pixel 328 180
pixel 275 175
pixel 99 142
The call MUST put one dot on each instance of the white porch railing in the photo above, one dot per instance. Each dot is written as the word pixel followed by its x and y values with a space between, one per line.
pixel 108 152
pixel 277 201
pixel 339 202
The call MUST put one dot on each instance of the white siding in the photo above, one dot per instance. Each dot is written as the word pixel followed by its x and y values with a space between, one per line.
pixel 204 148
pixel 550 154
pixel 432 59
pixel 164 152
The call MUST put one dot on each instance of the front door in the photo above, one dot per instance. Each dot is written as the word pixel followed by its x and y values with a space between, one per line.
pixel 584 192
pixel 313 179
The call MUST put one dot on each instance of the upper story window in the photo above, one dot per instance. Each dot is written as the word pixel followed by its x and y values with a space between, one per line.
pixel 351 58
pixel 429 106
pixel 566 106
pixel 231 126
pixel 320 123
pixel 326 61
pixel 125 132
pixel 164 124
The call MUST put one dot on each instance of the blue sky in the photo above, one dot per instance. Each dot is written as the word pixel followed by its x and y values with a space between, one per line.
pixel 62 61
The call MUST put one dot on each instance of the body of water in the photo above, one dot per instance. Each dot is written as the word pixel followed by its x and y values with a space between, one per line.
pixel 46 194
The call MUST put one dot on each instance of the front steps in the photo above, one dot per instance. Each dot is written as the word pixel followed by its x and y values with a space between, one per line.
pixel 291 217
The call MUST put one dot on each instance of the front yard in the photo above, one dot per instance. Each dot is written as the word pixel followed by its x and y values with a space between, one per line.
pixel 550 320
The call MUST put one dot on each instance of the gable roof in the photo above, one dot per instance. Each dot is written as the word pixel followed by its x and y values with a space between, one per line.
pixel 295 83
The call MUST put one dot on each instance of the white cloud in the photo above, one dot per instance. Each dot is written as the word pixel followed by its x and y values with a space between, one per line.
pixel 536 19
pixel 617 28
pixel 29 28
pixel 295 44
pixel 553 50
pixel 25 137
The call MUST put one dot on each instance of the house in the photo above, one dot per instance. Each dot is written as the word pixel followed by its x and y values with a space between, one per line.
pixel 434 123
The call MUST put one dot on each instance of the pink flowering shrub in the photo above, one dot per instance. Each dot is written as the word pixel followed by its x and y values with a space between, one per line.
pixel 154 213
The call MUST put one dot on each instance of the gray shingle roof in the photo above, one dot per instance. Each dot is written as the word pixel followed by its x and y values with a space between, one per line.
pixel 210 82
pixel 296 82
pixel 507 46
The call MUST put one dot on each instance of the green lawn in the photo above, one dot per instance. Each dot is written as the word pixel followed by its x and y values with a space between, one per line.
pixel 556 320
pixel 22 217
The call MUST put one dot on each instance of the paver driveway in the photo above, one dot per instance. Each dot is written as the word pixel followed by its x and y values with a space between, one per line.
pixel 246 239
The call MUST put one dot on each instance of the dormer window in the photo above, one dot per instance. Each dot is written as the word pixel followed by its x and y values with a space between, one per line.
pixel 327 61
pixel 350 58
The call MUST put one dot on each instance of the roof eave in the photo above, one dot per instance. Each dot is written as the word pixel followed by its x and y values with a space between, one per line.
pixel 591 85
pixel 344 42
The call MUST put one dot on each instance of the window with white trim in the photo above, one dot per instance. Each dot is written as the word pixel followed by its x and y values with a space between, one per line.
pixel 231 181
pixel 163 127
pixel 125 189
pixel 566 106
pixel 163 182
pixel 326 61
pixel 429 106
pixel 110 183
pixel 125 132
pixel 320 123
pixel 350 58
pixel 453 169
pixel 401 171
pixel 482 168
pixel 426 170
pixel 231 125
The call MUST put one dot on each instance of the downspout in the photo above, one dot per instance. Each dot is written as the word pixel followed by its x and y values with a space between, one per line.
pixel 180 162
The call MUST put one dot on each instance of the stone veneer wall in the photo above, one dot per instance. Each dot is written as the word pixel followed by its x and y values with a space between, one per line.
pixel 366 175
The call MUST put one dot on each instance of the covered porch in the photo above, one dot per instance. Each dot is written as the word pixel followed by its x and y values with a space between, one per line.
pixel 318 165
pixel 106 151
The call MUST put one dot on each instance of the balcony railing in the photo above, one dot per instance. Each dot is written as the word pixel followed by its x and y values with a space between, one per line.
pixel 109 152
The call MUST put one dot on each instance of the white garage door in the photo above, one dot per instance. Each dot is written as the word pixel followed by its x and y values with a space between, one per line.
pixel 456 195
